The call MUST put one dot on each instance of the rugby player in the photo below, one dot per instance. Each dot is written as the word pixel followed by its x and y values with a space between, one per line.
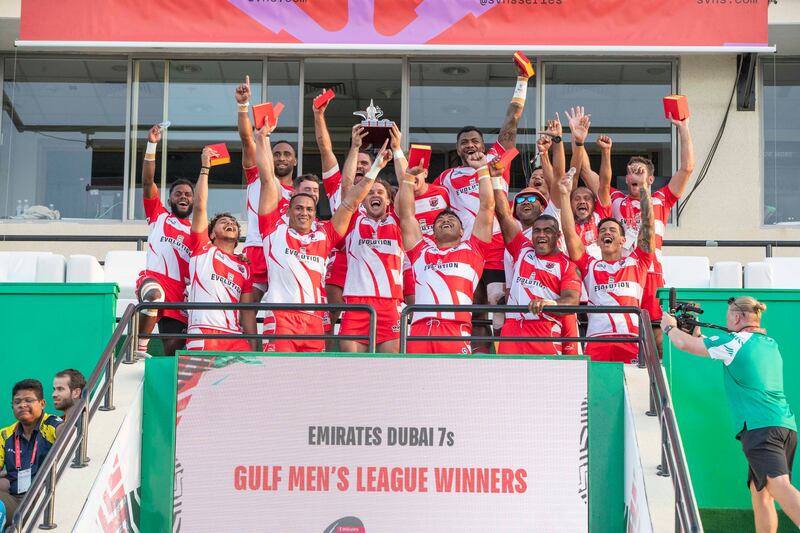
pixel 218 275
pixel 167 271
pixel 447 268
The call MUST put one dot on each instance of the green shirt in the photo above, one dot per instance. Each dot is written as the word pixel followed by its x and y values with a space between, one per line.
pixel 753 376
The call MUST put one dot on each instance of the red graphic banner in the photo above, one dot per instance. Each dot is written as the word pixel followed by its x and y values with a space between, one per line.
pixel 611 25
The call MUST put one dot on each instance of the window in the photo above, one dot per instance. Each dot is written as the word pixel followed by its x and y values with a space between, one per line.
pixel 625 101
pixel 445 97
pixel 781 141
pixel 63 137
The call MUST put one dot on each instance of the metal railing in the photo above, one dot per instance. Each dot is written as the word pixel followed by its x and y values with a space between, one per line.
pixel 73 433
pixel 766 245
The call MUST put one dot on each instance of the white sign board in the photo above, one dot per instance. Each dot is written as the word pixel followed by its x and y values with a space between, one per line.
pixel 364 444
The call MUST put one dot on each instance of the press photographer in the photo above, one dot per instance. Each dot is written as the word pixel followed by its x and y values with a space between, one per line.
pixel 765 424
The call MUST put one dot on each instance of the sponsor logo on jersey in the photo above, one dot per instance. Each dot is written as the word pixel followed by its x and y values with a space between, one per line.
pixel 434 202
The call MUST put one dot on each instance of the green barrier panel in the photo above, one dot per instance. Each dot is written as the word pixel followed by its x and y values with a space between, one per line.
pixel 716 462
pixel 47 327
pixel 606 438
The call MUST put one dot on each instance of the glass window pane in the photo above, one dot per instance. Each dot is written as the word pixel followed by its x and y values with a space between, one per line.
pixel 202 110
pixel 63 136
pixel 355 83
pixel 781 141
pixel 445 97
pixel 625 101
pixel 150 110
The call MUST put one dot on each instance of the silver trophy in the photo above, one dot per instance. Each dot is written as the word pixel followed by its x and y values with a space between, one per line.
pixel 378 130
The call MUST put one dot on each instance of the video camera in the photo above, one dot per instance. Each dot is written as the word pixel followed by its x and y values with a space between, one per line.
pixel 686 314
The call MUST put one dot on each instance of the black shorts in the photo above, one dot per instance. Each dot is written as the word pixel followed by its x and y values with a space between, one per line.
pixel 493 276
pixel 170 325
pixel 769 452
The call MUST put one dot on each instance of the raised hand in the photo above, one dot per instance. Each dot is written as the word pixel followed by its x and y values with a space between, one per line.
pixel 242 93
pixel 321 109
pixel 680 123
pixel 604 142
pixel 154 135
pixel 574 116
pixel 543 144
pixel 395 137
pixel 205 157
pixel 384 156
pixel 565 183
pixel 477 160
pixel 553 127
pixel 417 173
pixel 359 133
pixel 580 129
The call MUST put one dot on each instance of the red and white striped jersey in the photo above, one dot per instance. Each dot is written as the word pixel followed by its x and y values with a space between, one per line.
pixel 538 278
pixel 374 258
pixel 447 276
pixel 295 262
pixel 627 210
pixel 216 277
pixel 332 183
pixel 427 207
pixel 167 243
pixel 586 231
pixel 253 237
pixel 618 284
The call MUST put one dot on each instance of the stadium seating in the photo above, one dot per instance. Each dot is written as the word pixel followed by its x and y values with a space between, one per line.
pixel 689 272
pixel 27 267
pixel 758 275
pixel 726 275
pixel 122 268
pixel 84 269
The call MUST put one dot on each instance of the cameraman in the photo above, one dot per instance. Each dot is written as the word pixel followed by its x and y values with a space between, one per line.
pixel 753 375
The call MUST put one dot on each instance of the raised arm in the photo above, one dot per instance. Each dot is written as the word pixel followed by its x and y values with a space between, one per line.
pixel 508 224
pixel 508 131
pixel 604 186
pixel 323 138
pixel 351 161
pixel 200 211
pixel 400 161
pixel 554 131
pixel 579 129
pixel 646 237
pixel 482 227
pixel 404 206
pixel 574 243
pixel 353 197
pixel 679 180
pixel 243 124
pixel 149 188
pixel 270 197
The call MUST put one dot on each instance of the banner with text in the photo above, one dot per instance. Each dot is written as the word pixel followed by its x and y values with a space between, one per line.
pixel 357 444
pixel 411 24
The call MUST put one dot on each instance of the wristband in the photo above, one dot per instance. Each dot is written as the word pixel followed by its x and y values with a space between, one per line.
pixel 578 143
pixel 372 173
pixel 398 154
pixel 520 91
pixel 498 183
pixel 483 173
pixel 556 139
pixel 668 329
pixel 205 168
pixel 243 107
pixel 410 182
pixel 150 152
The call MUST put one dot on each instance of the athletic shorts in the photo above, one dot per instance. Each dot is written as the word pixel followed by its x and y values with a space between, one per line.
pixel 769 452
pixel 493 275
pixel 296 323
pixel 569 328
pixel 174 291
pixel 620 352
pixel 494 258
pixel 649 299
pixel 430 327
pixel 387 327
pixel 216 345
pixel 337 269
pixel 530 328
pixel 258 265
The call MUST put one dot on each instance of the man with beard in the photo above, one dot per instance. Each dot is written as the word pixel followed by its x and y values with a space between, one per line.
pixel 297 249
pixel 285 159
pixel 540 276
pixel 447 268
pixel 626 208
pixel 462 187
pixel 218 275
pixel 167 270
pixel 68 386
pixel 613 280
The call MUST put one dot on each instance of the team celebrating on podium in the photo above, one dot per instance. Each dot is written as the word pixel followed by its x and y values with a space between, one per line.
pixel 459 239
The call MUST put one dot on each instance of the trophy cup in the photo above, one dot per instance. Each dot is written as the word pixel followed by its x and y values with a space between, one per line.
pixel 377 129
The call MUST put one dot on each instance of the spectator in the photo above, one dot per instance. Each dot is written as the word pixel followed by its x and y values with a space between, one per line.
pixel 25 444
pixel 68 386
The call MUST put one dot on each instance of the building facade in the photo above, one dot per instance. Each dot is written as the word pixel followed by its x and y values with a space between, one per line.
pixel 75 120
